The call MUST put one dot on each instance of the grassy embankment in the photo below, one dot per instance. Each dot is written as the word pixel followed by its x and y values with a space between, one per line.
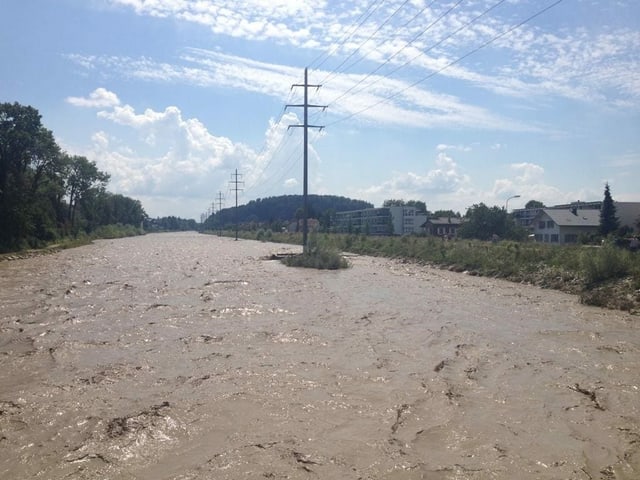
pixel 605 276
pixel 103 232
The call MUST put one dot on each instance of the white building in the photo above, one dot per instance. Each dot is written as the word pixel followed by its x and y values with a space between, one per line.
pixel 381 221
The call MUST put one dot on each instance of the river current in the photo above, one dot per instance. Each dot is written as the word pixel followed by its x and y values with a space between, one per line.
pixel 185 356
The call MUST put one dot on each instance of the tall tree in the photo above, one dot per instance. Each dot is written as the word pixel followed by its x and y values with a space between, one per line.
pixel 609 222
pixel 419 204
pixel 83 177
pixel 29 159
pixel 482 222
pixel 534 204
pixel 393 203
pixel 446 213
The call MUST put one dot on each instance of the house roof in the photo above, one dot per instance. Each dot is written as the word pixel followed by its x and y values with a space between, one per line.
pixel 444 221
pixel 567 218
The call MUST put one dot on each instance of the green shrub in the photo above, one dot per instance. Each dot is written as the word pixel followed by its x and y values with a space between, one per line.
pixel 320 253
pixel 604 263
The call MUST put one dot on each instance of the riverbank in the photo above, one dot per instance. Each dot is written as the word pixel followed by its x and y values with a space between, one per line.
pixel 604 276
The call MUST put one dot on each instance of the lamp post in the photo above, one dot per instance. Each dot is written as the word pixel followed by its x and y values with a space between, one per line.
pixel 506 204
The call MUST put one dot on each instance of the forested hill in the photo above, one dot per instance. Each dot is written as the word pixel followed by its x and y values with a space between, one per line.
pixel 288 207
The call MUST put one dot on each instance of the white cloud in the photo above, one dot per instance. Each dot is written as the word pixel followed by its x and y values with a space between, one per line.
pixel 445 178
pixel 385 102
pixel 172 163
pixel 528 181
pixel 442 147
pixel 185 160
pixel 99 98
pixel 529 172
pixel 280 20
pixel 585 64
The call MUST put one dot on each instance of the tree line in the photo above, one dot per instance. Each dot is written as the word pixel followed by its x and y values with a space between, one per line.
pixel 277 212
pixel 47 194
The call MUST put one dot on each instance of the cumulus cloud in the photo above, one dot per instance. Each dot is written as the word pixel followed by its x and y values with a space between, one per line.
pixel 173 163
pixel 528 172
pixel 183 161
pixel 99 98
pixel 445 178
pixel 528 181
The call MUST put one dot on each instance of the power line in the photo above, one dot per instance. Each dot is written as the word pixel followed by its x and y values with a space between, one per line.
pixel 450 64
pixel 415 37
pixel 272 156
pixel 439 42
pixel 362 57
pixel 336 70
pixel 266 182
pixel 346 37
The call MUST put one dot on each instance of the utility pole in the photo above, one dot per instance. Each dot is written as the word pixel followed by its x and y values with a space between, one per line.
pixel 220 201
pixel 235 182
pixel 305 126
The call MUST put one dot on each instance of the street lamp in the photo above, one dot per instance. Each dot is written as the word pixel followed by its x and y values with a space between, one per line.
pixel 506 204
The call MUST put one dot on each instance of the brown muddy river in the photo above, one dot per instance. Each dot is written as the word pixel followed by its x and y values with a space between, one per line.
pixel 184 356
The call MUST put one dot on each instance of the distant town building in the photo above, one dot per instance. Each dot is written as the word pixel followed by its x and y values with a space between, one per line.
pixel 396 220
pixel 442 226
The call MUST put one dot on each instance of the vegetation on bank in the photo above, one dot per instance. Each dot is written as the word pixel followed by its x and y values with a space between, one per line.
pixel 320 254
pixel 63 243
pixel 606 275
pixel 48 196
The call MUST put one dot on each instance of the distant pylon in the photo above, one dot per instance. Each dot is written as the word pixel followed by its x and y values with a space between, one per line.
pixel 235 182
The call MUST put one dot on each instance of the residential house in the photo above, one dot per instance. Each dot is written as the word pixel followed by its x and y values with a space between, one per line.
pixel 627 212
pixel 442 226
pixel 562 226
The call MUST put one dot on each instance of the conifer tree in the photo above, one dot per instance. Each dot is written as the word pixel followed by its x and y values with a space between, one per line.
pixel 609 223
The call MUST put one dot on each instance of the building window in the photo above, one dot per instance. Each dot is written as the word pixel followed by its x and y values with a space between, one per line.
pixel 549 223
pixel 541 224
pixel 571 238
pixel 554 238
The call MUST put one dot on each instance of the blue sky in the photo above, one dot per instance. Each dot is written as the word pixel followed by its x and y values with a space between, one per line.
pixel 452 102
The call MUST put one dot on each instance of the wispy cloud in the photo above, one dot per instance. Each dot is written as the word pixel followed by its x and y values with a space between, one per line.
pixel 585 64
pixel 415 107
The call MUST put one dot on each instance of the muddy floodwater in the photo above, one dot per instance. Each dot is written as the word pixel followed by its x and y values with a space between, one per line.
pixel 185 356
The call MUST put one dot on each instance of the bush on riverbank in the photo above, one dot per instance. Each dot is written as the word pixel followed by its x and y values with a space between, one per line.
pixel 320 254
